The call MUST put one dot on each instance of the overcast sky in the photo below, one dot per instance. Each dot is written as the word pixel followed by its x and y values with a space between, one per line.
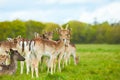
pixel 60 11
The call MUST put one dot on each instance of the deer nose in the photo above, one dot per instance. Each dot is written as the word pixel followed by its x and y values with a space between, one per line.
pixel 63 39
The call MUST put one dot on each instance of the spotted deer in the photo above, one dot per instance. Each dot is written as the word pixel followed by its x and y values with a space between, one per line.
pixel 19 44
pixel 40 47
pixel 3 59
pixel 23 48
pixel 48 35
pixel 12 67
pixel 69 50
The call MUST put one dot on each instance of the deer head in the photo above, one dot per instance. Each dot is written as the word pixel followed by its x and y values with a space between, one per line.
pixel 15 55
pixel 36 35
pixel 48 35
pixel 64 34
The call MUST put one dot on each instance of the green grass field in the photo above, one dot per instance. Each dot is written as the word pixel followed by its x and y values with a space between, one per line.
pixel 97 62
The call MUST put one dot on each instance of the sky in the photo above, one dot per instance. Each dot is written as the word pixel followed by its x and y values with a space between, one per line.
pixel 60 11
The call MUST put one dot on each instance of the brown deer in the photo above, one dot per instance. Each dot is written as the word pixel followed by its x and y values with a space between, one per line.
pixel 20 44
pixel 23 47
pixel 3 59
pixel 11 68
pixel 48 35
pixel 69 50
pixel 52 49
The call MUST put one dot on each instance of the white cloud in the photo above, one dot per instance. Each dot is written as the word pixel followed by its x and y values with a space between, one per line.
pixel 32 14
pixel 62 15
pixel 68 1
pixel 108 12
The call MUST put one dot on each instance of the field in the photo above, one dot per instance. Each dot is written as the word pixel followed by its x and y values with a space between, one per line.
pixel 97 62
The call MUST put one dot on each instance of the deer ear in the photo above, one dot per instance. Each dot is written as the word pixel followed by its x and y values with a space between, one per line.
pixel 11 50
pixel 18 36
pixel 56 29
pixel 7 52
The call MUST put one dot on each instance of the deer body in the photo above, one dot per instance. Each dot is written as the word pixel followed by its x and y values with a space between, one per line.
pixel 41 47
pixel 45 47
pixel 11 68
pixel 70 50
pixel 6 45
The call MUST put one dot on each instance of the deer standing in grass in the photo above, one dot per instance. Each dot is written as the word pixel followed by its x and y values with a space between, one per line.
pixel 52 49
pixel 20 44
pixel 11 68
pixel 70 49
pixel 23 48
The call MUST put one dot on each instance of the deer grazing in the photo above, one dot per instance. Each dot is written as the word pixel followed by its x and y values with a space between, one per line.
pixel 70 50
pixel 11 68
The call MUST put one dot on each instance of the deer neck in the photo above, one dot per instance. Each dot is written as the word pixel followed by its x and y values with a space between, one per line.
pixel 13 64
pixel 60 44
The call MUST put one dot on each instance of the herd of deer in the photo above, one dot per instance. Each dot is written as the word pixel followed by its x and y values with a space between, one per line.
pixel 32 51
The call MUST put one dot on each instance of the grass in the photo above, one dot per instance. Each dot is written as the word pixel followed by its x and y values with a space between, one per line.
pixel 97 62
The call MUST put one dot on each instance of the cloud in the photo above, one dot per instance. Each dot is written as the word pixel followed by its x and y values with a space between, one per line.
pixel 59 13
pixel 32 14
pixel 68 1
pixel 104 13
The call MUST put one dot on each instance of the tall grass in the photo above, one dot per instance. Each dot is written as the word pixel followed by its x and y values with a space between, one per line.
pixel 97 62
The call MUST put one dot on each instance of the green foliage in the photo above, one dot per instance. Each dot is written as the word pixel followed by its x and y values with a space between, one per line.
pixel 33 26
pixel 81 32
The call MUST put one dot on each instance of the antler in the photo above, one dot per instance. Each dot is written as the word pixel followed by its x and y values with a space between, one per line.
pixel 67 26
pixel 61 27
pixel 36 34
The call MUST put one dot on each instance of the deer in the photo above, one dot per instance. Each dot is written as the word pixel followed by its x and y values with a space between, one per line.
pixel 12 67
pixel 69 50
pixel 23 48
pixel 10 39
pixel 19 44
pixel 48 35
pixel 6 45
pixel 3 59
pixel 49 48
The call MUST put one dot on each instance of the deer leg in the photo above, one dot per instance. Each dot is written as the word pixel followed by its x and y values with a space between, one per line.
pixel 48 70
pixel 64 57
pixel 68 59
pixel 74 56
pixel 54 67
pixel 36 67
pixel 22 66
pixel 51 65
pixel 36 70
pixel 28 67
pixel 32 70
pixel 59 61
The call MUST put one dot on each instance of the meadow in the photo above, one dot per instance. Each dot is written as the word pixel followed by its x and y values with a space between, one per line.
pixel 97 62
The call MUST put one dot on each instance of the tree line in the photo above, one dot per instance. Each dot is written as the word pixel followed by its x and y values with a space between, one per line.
pixel 80 32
